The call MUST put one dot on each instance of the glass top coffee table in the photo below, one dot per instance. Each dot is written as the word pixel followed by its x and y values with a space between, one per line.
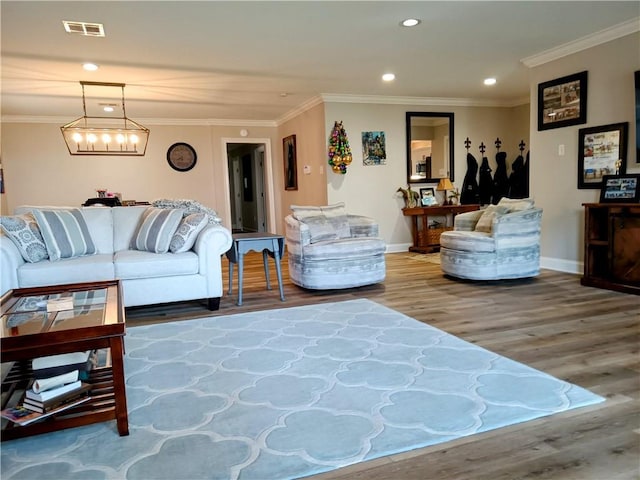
pixel 43 321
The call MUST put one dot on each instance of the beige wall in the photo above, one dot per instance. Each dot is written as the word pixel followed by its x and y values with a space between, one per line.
pixel 308 127
pixel 554 178
pixel 372 190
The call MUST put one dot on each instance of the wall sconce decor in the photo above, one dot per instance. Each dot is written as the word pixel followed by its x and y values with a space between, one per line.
pixel 94 135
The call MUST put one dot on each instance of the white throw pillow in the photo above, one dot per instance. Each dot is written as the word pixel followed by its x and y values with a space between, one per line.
pixel 65 233
pixel 24 232
pixel 156 229
pixel 187 232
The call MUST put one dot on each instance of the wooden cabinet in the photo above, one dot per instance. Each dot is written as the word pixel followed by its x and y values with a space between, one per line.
pixel 612 246
pixel 427 239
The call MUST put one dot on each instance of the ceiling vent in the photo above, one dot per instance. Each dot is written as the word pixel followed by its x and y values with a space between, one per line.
pixel 84 28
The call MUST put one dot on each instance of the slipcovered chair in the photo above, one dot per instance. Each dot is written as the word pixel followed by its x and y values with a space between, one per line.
pixel 329 249
pixel 499 242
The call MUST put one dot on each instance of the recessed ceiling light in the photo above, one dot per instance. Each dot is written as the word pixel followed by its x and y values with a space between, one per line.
pixel 410 22
pixel 90 67
pixel 489 81
pixel 388 77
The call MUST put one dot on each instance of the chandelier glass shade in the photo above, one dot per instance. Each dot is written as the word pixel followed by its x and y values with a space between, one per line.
pixel 98 135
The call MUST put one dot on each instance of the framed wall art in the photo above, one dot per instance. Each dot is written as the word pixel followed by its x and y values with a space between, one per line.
pixel 601 151
pixel 374 148
pixel 620 188
pixel 290 163
pixel 562 102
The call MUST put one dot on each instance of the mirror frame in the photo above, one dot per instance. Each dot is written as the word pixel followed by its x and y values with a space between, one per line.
pixel 411 115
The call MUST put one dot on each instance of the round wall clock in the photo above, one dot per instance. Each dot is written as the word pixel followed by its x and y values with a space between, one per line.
pixel 181 156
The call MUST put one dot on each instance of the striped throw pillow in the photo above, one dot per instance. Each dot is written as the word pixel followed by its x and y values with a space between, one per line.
pixel 65 233
pixel 156 229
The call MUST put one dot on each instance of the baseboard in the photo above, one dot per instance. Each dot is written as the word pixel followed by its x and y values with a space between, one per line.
pixel 398 247
pixel 561 265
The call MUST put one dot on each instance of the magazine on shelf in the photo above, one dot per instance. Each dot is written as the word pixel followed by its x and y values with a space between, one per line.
pixel 23 416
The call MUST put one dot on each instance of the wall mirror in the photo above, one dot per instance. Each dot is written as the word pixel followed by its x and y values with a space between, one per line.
pixel 429 146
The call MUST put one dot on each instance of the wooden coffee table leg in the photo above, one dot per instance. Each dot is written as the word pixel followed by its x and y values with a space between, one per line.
pixel 119 390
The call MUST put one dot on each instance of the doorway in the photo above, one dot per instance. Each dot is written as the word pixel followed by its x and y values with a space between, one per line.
pixel 246 167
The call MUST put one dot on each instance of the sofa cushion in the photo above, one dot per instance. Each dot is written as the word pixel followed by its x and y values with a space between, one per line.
pixel 130 264
pixel 187 232
pixel 65 233
pixel 25 233
pixel 469 241
pixel 67 270
pixel 156 230
pixel 345 249
pixel 485 222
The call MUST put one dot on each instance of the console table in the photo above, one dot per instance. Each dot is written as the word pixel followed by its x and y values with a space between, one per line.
pixel 268 243
pixel 425 239
pixel 612 246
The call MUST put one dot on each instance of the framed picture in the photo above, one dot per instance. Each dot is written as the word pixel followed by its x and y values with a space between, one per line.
pixel 428 196
pixel 620 188
pixel 562 102
pixel 601 151
pixel 374 148
pixel 290 163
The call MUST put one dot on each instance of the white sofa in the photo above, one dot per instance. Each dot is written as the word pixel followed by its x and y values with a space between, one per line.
pixel 147 278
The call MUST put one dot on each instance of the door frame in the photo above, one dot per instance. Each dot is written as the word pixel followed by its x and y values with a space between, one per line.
pixel 268 178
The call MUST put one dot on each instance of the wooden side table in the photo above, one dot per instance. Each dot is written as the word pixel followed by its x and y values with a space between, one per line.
pixel 423 242
pixel 269 244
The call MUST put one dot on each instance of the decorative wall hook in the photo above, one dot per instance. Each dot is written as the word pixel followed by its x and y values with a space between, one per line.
pixel 498 143
pixel 521 146
pixel 482 148
pixel 467 144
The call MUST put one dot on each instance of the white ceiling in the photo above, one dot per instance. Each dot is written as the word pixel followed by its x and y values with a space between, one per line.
pixel 233 60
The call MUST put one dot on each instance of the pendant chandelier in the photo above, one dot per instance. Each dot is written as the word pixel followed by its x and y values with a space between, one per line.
pixel 93 135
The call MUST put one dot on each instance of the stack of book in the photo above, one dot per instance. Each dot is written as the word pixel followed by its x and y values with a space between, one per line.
pixel 57 385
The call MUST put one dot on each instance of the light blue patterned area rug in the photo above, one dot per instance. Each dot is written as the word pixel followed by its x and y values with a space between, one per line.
pixel 292 392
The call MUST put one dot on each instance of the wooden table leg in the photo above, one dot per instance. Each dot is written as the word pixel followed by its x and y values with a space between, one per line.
pixel 119 390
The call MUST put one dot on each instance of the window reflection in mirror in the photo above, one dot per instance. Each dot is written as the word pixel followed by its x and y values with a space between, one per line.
pixel 429 146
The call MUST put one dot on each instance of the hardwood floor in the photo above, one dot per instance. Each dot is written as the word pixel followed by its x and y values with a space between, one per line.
pixel 584 335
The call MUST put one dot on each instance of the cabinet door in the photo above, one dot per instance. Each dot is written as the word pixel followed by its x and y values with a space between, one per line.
pixel 625 249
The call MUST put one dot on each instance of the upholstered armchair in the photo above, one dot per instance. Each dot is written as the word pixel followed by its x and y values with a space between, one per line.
pixel 502 241
pixel 329 249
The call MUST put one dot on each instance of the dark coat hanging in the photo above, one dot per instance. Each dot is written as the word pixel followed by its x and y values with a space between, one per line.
pixel 486 182
pixel 470 191
pixel 517 179
pixel 500 179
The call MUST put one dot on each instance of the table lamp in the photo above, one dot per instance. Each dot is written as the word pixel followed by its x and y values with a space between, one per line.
pixel 443 185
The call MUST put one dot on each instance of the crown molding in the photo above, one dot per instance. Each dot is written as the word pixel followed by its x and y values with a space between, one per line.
pixel 423 101
pixel 575 46
pixel 201 122
pixel 309 104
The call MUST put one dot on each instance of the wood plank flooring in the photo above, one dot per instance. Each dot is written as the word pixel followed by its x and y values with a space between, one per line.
pixel 584 335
